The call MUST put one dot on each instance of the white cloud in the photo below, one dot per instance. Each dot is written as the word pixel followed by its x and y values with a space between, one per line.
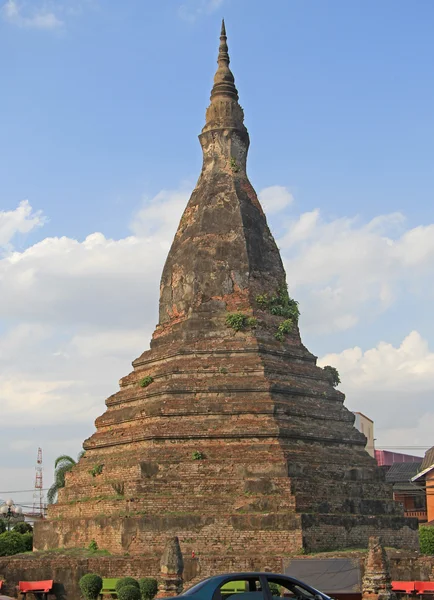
pixel 24 15
pixel 275 199
pixel 21 220
pixel 158 217
pixel 392 385
pixel 408 367
pixel 190 10
pixel 343 270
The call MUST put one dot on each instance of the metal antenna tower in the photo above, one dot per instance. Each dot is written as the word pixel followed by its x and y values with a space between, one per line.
pixel 38 496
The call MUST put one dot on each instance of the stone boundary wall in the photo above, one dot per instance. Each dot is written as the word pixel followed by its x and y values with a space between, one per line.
pixel 66 570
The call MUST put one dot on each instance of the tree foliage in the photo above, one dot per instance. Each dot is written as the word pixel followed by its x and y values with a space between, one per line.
pixel 62 465
pixel 426 540
pixel 23 527
pixel 28 541
pixel 90 586
pixel 11 543
pixel 333 374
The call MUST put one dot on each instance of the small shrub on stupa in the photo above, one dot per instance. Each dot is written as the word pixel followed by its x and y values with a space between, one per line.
pixel 239 321
pixel 284 328
pixel 333 374
pixel 146 381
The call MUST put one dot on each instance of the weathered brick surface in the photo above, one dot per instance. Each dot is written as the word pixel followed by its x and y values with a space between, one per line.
pixel 283 467
pixel 66 571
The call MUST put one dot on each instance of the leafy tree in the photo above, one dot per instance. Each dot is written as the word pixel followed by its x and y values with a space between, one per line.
pixel 11 543
pixel 148 588
pixel 62 465
pixel 426 540
pixel 28 541
pixel 23 527
pixel 90 586
pixel 333 374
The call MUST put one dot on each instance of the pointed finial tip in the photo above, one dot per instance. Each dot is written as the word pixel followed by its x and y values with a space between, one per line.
pixel 223 31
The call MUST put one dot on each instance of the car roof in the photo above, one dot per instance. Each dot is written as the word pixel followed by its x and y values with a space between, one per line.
pixel 250 574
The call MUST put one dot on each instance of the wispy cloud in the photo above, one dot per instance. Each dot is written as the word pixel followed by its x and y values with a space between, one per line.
pixel 191 10
pixel 22 15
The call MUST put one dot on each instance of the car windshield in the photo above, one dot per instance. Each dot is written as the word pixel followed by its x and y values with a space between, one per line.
pixel 291 589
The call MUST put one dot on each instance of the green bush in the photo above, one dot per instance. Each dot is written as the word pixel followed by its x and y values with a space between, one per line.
pixel 2 525
pixel 426 540
pixel 28 541
pixel 11 543
pixel 239 321
pixel 96 470
pixel 129 592
pixel 148 588
pixel 284 328
pixel 126 581
pixel 23 527
pixel 280 304
pixel 333 374
pixel 146 381
pixel 90 586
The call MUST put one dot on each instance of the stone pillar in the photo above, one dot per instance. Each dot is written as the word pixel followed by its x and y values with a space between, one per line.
pixel 377 582
pixel 171 569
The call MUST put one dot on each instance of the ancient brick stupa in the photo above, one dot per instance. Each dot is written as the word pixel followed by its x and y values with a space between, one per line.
pixel 226 434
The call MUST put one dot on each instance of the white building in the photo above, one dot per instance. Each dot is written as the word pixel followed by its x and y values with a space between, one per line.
pixel 366 426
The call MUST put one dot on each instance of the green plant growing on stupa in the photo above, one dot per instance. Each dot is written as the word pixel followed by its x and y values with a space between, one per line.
pixel 146 381
pixel 234 165
pixel 332 374
pixel 96 470
pixel 197 455
pixel 285 327
pixel 239 321
pixel 279 303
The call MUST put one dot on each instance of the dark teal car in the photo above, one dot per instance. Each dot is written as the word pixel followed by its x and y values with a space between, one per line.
pixel 253 586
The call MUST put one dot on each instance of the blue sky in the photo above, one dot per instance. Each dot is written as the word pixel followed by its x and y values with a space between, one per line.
pixel 100 109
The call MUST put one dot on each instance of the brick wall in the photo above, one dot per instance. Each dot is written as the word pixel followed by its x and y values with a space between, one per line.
pixel 67 570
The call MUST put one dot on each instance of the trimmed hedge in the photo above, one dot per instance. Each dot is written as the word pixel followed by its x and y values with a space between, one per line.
pixel 129 592
pixel 126 581
pixel 90 586
pixel 148 588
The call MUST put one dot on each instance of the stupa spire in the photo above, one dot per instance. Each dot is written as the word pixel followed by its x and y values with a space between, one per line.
pixel 224 82
pixel 224 110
